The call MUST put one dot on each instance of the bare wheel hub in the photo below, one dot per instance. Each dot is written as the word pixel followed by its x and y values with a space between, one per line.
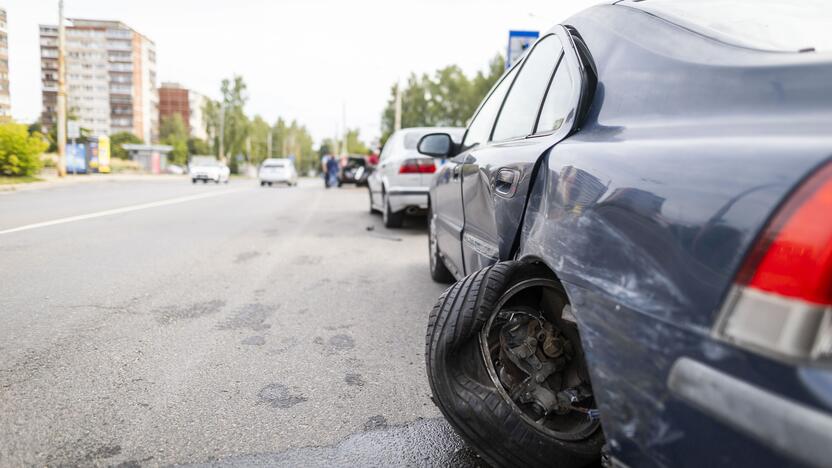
pixel 535 360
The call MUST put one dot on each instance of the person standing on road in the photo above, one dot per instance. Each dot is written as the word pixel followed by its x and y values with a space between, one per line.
pixel 325 164
pixel 332 167
pixel 372 158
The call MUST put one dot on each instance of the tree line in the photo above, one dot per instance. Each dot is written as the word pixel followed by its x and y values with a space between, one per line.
pixel 446 98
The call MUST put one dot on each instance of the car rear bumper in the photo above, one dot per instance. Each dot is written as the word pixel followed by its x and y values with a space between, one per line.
pixel 408 198
pixel 271 178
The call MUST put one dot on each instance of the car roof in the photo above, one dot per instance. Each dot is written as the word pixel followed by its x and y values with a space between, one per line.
pixel 769 25
pixel 432 129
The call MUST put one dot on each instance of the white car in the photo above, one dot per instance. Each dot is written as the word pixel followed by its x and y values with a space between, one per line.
pixel 401 182
pixel 278 171
pixel 208 168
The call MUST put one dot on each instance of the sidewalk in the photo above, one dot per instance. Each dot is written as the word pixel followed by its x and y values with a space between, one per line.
pixel 52 180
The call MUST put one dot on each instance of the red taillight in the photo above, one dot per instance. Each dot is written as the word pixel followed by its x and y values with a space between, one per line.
pixel 417 166
pixel 793 258
pixel 781 303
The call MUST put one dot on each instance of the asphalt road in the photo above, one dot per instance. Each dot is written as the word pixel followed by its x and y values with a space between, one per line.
pixel 156 322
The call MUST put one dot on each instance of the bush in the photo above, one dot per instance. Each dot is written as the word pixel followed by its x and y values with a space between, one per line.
pixel 19 151
pixel 120 138
pixel 123 166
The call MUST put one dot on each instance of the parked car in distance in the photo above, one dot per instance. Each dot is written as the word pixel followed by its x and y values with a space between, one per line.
pixel 278 171
pixel 354 171
pixel 639 218
pixel 399 184
pixel 208 168
pixel 174 169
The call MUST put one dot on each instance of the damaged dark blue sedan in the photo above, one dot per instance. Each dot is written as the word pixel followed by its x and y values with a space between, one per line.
pixel 639 220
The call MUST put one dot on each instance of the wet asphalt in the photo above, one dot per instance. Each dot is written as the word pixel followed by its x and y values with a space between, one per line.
pixel 214 325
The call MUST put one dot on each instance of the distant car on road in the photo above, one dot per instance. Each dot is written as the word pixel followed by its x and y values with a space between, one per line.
pixel 355 171
pixel 208 168
pixel 639 220
pixel 399 185
pixel 278 171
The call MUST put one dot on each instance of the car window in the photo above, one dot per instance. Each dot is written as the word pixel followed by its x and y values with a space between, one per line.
pixel 522 105
pixel 388 147
pixel 481 126
pixel 558 101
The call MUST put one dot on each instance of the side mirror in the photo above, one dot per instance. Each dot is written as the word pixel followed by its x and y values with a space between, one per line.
pixel 436 145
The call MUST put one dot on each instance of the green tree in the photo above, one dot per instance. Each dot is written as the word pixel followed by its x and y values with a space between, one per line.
pixel 448 97
pixel 198 146
pixel 293 139
pixel 236 125
pixel 354 143
pixel 19 150
pixel 211 115
pixel 117 140
pixel 174 132
pixel 259 137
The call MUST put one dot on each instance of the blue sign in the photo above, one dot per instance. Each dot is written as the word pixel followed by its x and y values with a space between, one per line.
pixel 76 158
pixel 518 42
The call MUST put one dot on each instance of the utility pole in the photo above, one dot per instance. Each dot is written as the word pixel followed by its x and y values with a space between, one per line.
pixel 61 91
pixel 269 144
pixel 344 148
pixel 397 124
pixel 221 156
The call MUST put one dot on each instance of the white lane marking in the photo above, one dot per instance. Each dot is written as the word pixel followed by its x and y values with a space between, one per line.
pixel 115 211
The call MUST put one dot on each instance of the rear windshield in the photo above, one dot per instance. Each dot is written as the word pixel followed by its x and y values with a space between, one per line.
pixel 778 25
pixel 274 164
pixel 411 139
pixel 204 161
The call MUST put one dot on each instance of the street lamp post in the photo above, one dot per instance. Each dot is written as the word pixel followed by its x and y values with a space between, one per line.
pixel 61 91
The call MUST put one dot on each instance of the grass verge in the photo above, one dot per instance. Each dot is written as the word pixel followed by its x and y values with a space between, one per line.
pixel 12 180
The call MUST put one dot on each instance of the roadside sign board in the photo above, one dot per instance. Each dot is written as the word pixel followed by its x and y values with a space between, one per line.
pixel 518 42
pixel 104 154
pixel 73 130
pixel 76 158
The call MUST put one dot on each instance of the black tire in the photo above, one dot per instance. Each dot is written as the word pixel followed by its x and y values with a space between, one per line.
pixel 262 184
pixel 193 181
pixel 391 220
pixel 466 394
pixel 438 271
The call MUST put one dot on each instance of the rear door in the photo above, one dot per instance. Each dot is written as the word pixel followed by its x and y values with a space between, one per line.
pixel 539 110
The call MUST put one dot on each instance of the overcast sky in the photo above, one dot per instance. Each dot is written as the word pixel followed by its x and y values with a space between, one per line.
pixel 301 59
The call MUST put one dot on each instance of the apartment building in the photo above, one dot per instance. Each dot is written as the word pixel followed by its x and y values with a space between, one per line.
pixel 5 96
pixel 110 78
pixel 176 99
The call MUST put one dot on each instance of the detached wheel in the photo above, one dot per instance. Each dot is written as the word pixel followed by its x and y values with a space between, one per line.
pixel 438 271
pixel 391 220
pixel 506 368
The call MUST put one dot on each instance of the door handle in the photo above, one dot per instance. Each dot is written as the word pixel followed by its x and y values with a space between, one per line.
pixel 455 172
pixel 505 182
